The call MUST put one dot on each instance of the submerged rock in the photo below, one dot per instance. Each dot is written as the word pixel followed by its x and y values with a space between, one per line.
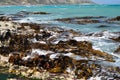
pixel 39 13
pixel 87 21
pixel 81 20
pixel 115 19
pixel 103 26
pixel 23 13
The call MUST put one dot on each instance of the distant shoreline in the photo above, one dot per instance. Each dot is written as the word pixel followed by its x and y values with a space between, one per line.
pixel 66 4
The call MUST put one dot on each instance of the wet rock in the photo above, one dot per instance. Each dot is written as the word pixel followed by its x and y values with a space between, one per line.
pixel 40 46
pixel 4 50
pixel 92 17
pixel 5 18
pixel 103 26
pixel 80 20
pixel 117 50
pixel 5 36
pixel 15 59
pixel 87 21
pixel 21 44
pixel 40 61
pixel 116 39
pixel 39 13
pixel 115 19
pixel 28 13
pixel 32 26
pixel 103 55
pixel 45 34
pixel 61 63
pixel 86 17
pixel 22 13
pixel 83 69
pixel 71 44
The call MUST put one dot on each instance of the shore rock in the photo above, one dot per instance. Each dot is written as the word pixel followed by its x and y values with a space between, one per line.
pixel 115 19
pixel 38 64
pixel 116 39
pixel 81 20
pixel 117 50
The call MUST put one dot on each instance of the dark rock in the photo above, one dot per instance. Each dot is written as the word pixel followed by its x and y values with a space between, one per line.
pixel 45 34
pixel 103 26
pixel 86 21
pixel 4 50
pixel 15 59
pixel 61 63
pixel 80 20
pixel 19 43
pixel 39 13
pixel 83 69
pixel 5 36
pixel 91 17
pixel 23 13
pixel 5 18
pixel 33 26
pixel 116 39
pixel 117 50
pixel 114 19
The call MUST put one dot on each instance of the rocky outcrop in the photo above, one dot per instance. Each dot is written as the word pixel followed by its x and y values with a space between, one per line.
pixel 115 19
pixel 82 20
pixel 35 49
pixel 31 2
pixel 117 50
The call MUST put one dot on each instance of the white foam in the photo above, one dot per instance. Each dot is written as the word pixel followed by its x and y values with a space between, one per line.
pixel 68 70
pixel 95 78
pixel 100 43
pixel 52 56
pixel 69 54
pixel 40 52
pixel 35 41
pixel 106 34
pixel 27 57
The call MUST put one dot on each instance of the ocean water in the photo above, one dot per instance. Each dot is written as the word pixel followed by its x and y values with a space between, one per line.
pixel 102 43
pixel 67 11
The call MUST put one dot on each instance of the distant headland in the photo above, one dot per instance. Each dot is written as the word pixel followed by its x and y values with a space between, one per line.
pixel 47 2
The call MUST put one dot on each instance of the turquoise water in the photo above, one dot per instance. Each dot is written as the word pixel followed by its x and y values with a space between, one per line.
pixel 65 11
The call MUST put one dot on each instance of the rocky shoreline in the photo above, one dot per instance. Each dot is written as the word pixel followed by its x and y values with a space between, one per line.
pixel 49 53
